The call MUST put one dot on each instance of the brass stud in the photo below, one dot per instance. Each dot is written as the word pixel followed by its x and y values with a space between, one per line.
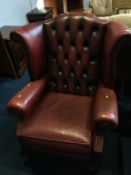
pixel 65 86
pixel 72 74
pixel 28 84
pixel 107 96
pixel 19 96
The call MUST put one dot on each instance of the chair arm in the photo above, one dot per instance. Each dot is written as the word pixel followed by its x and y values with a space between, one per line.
pixel 30 39
pixel 117 36
pixel 24 101
pixel 105 111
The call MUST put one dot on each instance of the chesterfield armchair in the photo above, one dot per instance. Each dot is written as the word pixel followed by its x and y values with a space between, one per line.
pixel 70 100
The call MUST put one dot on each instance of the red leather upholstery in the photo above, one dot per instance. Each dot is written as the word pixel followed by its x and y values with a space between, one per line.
pixel 34 34
pixel 69 57
pixel 74 44
pixel 60 118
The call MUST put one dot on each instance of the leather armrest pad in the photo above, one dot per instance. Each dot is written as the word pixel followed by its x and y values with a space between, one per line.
pixel 105 110
pixel 23 102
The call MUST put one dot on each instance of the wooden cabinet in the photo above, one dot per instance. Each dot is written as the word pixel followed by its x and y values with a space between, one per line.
pixel 74 5
pixel 61 6
pixel 36 15
pixel 53 4
pixel 12 59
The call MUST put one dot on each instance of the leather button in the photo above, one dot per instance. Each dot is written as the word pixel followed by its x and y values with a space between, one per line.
pixel 78 62
pixel 77 88
pixel 72 74
pixel 60 73
pixel 92 90
pixel 94 34
pixel 92 62
pixel 66 61
pixel 53 32
pixel 65 86
pixel 84 76
pixel 54 60
pixel 72 47
pixel 85 48
pixel 60 46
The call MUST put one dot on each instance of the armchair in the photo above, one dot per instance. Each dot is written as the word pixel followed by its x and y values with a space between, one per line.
pixel 70 100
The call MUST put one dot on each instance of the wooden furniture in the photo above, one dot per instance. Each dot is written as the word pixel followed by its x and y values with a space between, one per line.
pixel 61 6
pixel 70 5
pixel 12 61
pixel 53 4
pixel 37 15
pixel 74 5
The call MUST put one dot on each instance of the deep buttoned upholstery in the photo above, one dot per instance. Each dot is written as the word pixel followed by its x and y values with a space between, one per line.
pixel 74 54
pixel 70 98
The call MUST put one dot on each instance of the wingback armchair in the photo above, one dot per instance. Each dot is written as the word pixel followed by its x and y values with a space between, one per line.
pixel 69 102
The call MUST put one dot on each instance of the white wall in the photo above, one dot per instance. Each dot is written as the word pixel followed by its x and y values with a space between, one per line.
pixel 13 12
pixel 85 4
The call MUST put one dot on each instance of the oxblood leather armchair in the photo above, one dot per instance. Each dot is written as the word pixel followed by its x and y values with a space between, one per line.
pixel 70 100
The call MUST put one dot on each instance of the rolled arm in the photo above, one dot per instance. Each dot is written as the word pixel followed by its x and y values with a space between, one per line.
pixel 24 101
pixel 105 110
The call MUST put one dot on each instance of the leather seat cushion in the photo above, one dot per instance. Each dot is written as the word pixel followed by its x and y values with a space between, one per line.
pixel 60 122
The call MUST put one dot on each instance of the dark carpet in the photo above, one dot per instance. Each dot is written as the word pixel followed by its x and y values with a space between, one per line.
pixel 116 155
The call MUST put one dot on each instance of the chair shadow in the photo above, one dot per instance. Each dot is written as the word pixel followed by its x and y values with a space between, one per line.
pixel 53 165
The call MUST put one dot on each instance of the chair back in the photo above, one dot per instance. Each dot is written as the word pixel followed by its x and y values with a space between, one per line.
pixel 74 44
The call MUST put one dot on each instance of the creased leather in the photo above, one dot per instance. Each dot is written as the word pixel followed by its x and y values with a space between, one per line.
pixel 60 118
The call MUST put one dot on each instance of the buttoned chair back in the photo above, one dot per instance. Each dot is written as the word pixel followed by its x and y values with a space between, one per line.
pixel 74 45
